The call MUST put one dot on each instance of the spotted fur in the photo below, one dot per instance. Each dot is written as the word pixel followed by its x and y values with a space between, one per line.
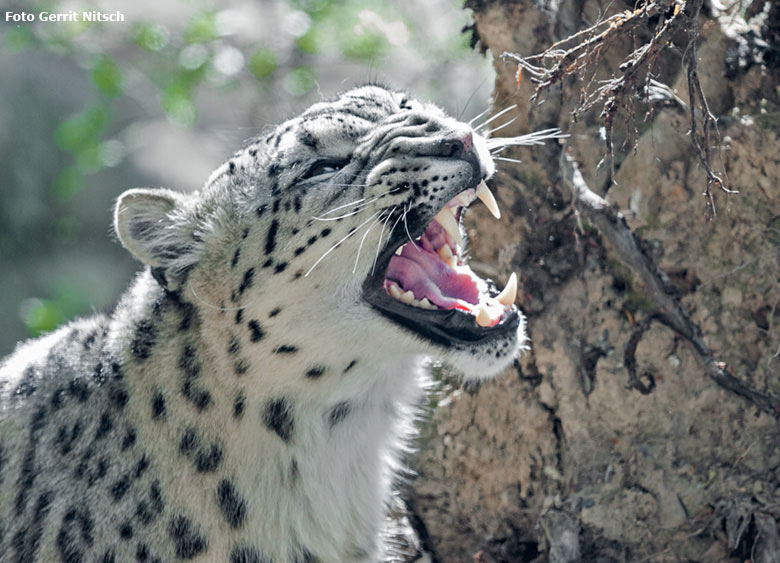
pixel 242 403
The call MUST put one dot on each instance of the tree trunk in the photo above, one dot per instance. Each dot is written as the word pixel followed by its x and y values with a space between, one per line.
pixel 642 424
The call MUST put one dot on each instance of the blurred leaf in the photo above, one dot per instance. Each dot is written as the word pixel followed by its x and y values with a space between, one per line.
pixel 177 103
pixel 366 46
pixel 308 41
pixel 42 316
pixel 67 184
pixel 201 29
pixel 151 36
pixel 315 8
pixel 262 63
pixel 107 77
pixel 85 127
pixel 17 39
pixel 300 80
pixel 88 157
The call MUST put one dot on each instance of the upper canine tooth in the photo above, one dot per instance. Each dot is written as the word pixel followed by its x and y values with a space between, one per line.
pixel 484 193
pixel 509 293
pixel 447 220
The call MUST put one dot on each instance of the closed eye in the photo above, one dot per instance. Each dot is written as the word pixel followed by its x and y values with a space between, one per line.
pixel 322 167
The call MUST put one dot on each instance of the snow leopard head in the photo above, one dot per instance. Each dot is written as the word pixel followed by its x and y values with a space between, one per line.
pixel 340 230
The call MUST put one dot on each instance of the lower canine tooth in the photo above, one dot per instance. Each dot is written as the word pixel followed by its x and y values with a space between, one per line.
pixel 447 220
pixel 407 297
pixel 398 250
pixel 484 193
pixel 483 318
pixel 509 293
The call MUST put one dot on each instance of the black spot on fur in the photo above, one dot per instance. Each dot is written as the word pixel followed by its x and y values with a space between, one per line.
pixel 297 203
pixel 280 267
pixel 141 467
pixel 246 554
pixel 199 397
pixel 350 365
pixel 339 413
pixel 276 205
pixel 294 471
pixel 126 531
pixel 325 232
pixel 246 283
pixel 26 541
pixel 256 330
pixel 305 556
pixel 234 346
pixel 187 538
pixel 268 263
pixel 109 556
pixel 278 418
pixel 142 552
pixel 306 138
pixel 261 210
pixel 189 441
pixel 315 372
pixel 241 366
pixel 118 395
pixel 120 487
pixel 300 250
pixel 144 339
pixel 231 167
pixel 239 316
pixel 286 349
pixel 230 502
pixel 79 389
pixel 274 169
pixel 128 441
pixel 104 426
pixel 239 405
pixel 158 406
pixel 312 240
pixel 208 461
pixel 270 241
pixel 274 312
pixel 236 256
pixel 75 533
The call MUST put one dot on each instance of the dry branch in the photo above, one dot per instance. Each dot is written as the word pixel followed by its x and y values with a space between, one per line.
pixel 613 227
pixel 633 79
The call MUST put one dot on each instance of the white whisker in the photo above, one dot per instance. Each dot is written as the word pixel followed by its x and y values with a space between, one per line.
pixel 368 230
pixel 499 114
pixel 535 138
pixel 379 242
pixel 361 205
pixel 480 114
pixel 507 159
pixel 510 122
pixel 332 248
pixel 406 226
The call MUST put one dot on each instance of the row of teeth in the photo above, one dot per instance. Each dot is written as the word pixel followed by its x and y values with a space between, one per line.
pixel 487 314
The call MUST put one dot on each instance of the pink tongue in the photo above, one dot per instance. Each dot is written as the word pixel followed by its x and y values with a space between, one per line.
pixel 426 275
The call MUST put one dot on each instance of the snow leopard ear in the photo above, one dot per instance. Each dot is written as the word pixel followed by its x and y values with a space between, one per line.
pixel 153 225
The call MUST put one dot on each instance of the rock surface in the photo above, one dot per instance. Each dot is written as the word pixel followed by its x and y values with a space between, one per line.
pixel 559 460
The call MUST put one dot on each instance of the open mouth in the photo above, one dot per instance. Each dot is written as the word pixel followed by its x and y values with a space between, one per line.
pixel 426 285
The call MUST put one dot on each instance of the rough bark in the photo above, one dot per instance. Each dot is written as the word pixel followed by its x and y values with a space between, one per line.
pixel 617 438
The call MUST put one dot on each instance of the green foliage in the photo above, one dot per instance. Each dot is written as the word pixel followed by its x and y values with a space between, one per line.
pixel 262 63
pixel 44 315
pixel 107 77
pixel 202 28
pixel 151 36
pixel 300 80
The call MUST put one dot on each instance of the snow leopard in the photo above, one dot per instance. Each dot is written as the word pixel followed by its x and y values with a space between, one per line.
pixel 250 397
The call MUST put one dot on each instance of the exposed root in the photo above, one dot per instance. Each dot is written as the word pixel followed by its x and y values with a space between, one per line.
pixel 613 227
